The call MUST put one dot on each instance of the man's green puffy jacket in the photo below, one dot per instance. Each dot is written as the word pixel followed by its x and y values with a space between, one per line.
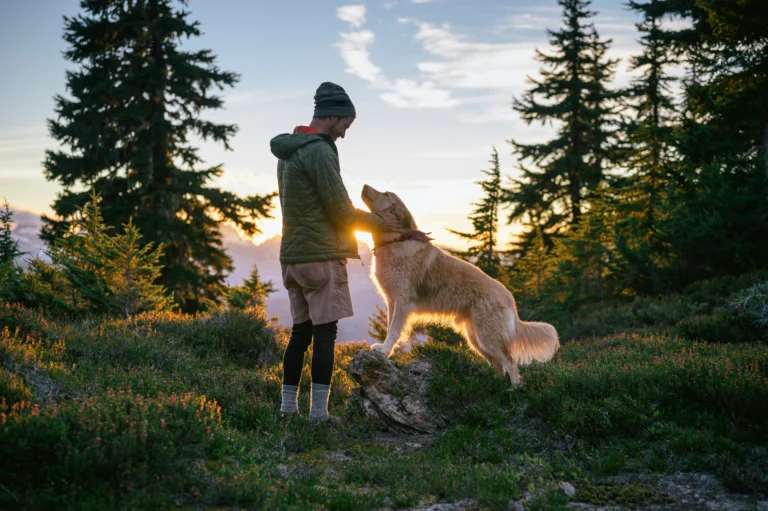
pixel 319 220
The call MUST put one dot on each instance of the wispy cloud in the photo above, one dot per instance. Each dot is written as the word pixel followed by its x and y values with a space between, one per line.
pixel 401 93
pixel 240 99
pixel 353 14
pixel 460 71
pixel 456 154
pixel 354 51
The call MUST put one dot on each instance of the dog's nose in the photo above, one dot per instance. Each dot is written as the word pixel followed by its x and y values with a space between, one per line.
pixel 366 189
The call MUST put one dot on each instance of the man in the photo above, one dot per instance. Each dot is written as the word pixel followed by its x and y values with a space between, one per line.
pixel 319 224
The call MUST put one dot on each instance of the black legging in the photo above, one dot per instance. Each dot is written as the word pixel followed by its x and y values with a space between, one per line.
pixel 322 355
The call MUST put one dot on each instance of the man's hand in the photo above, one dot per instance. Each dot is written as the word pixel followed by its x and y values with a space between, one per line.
pixel 392 224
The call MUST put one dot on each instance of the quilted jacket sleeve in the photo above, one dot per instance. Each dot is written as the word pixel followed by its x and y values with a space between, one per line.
pixel 323 170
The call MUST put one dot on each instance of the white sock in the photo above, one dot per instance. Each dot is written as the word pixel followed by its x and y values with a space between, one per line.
pixel 319 408
pixel 290 399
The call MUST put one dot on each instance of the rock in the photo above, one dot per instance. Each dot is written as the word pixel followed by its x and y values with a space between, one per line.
pixel 391 396
pixel 567 488
pixel 462 505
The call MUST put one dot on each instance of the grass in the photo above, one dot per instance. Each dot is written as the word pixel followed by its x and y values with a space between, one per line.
pixel 171 412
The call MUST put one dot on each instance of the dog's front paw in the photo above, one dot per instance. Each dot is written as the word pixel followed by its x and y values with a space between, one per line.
pixel 379 347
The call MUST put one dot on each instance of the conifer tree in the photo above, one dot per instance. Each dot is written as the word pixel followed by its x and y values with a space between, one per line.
pixel 485 222
pixel 131 271
pixel 572 94
pixel 534 268
pixel 718 207
pixel 134 105
pixel 377 324
pixel 251 293
pixel 650 132
pixel 109 274
pixel 9 247
pixel 585 255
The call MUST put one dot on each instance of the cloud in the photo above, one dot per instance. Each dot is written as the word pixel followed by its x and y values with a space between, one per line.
pixel 423 1
pixel 354 51
pixel 255 97
pixel 458 71
pixel 400 93
pixel 353 14
pixel 409 93
pixel 456 154
pixel 530 21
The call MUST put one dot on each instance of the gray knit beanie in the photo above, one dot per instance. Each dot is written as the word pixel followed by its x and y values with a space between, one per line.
pixel 331 100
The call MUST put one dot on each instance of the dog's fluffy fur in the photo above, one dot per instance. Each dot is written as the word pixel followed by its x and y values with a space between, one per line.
pixel 418 281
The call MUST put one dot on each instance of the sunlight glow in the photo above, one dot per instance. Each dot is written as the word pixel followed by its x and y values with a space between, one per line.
pixel 365 237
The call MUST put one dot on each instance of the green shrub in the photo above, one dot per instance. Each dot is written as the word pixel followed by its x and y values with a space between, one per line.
pixel 107 446
pixel 752 303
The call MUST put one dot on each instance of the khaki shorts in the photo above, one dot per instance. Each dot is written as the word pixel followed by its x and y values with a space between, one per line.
pixel 318 291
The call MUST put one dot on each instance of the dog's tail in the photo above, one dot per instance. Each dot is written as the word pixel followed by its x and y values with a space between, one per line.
pixel 531 340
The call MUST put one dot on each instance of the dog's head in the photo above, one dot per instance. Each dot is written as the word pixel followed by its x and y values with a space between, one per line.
pixel 388 205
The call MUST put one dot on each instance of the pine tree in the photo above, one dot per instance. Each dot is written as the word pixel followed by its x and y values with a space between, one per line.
pixel 109 274
pixel 649 156
pixel 717 208
pixel 251 293
pixel 585 255
pixel 573 94
pixel 131 271
pixel 485 222
pixel 650 132
pixel 133 108
pixel 9 247
pixel 377 324
pixel 533 269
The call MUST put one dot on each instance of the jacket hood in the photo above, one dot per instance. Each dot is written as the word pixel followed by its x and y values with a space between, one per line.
pixel 284 145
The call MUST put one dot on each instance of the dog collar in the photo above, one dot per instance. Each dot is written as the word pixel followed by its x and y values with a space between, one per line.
pixel 414 235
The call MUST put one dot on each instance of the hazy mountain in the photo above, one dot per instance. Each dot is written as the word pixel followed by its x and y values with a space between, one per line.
pixel 26 230
pixel 266 256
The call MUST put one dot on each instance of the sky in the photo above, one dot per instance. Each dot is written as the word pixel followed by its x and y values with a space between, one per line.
pixel 432 82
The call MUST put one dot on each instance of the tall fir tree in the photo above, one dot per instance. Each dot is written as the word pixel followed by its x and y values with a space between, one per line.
pixel 649 156
pixel 485 222
pixel 718 208
pixel 650 131
pixel 572 93
pixel 128 122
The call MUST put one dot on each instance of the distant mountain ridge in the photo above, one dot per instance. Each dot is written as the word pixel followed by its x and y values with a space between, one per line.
pixel 266 256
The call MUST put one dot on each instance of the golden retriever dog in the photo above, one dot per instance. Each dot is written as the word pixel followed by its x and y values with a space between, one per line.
pixel 418 281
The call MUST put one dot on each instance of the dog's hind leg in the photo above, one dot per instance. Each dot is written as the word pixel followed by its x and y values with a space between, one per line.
pixel 397 326
pixel 510 366
pixel 476 344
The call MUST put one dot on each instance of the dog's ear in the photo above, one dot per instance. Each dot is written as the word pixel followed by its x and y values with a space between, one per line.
pixel 401 213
